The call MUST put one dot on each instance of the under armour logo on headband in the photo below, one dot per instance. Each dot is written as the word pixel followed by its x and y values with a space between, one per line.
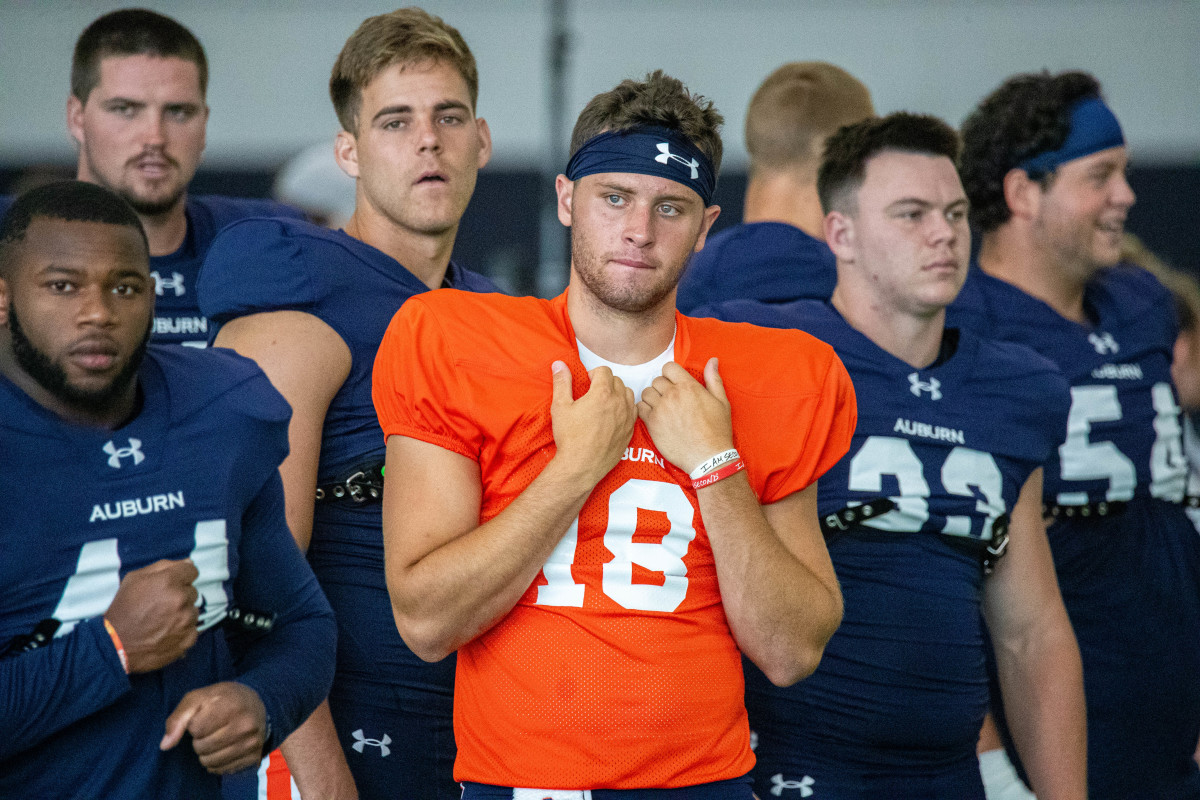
pixel 630 151
pixel 665 156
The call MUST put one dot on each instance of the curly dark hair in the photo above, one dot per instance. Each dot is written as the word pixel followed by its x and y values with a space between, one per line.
pixel 1029 114
pixel 847 152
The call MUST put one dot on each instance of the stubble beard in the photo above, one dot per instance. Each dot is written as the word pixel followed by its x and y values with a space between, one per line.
pixel 145 207
pixel 51 376
pixel 625 299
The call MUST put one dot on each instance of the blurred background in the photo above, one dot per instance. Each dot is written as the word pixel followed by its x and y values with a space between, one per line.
pixel 541 60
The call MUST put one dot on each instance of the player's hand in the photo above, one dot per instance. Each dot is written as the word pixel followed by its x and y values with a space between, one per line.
pixel 591 433
pixel 228 724
pixel 155 614
pixel 688 422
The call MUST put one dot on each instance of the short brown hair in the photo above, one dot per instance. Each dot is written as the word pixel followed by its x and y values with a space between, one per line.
pixel 844 165
pixel 658 100
pixel 131 32
pixel 402 37
pixel 797 108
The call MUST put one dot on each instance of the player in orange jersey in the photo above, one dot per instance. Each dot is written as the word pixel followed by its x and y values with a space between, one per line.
pixel 600 562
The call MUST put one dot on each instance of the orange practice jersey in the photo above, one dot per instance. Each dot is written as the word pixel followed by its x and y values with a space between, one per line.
pixel 617 668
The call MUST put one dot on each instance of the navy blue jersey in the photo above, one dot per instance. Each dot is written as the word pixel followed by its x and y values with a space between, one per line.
pixel 270 265
pixel 194 475
pixel 177 317
pixel 902 682
pixel 1130 581
pixel 769 261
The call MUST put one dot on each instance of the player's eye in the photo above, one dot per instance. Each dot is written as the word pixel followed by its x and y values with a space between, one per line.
pixel 60 286
pixel 668 210
pixel 127 289
pixel 614 199
pixel 451 119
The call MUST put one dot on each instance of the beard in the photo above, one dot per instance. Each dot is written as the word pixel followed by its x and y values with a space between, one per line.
pixel 151 208
pixel 50 375
pixel 626 298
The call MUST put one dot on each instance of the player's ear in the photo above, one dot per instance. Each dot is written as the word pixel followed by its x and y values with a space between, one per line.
pixel 1022 194
pixel 710 216
pixel 345 152
pixel 4 302
pixel 75 118
pixel 485 142
pixel 564 187
pixel 839 234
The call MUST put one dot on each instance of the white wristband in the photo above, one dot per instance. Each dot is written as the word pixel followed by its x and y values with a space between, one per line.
pixel 716 462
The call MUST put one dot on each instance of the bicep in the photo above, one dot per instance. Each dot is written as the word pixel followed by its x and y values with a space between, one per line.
pixel 307 362
pixel 794 520
pixel 431 496
pixel 1023 585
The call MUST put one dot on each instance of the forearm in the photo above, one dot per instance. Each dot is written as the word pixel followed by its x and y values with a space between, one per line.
pixel 1041 680
pixel 782 606
pixel 462 588
pixel 315 758
pixel 56 685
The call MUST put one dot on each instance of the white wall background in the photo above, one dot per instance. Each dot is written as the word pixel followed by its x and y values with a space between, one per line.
pixel 270 61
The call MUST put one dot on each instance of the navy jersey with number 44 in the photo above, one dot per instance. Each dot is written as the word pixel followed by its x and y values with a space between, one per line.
pixel 902 685
pixel 1130 580
pixel 193 475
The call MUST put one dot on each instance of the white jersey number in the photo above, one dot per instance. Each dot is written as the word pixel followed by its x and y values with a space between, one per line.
pixel 91 589
pixel 965 473
pixel 1083 459
pixel 665 557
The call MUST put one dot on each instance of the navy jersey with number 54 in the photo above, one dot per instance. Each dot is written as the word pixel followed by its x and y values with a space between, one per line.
pixel 1130 580
pixel 193 475
pixel 901 689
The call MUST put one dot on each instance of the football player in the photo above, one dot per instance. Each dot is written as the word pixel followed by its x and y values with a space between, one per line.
pixel 942 479
pixel 599 561
pixel 778 253
pixel 310 305
pixel 137 112
pixel 1044 165
pixel 143 515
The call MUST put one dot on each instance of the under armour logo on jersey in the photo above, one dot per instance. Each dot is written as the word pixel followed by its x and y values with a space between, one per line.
pixel 778 784
pixel 161 284
pixel 933 386
pixel 115 454
pixel 361 742
pixel 665 156
pixel 1103 342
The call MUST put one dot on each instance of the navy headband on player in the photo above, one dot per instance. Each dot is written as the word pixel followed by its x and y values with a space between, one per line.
pixel 1094 127
pixel 646 150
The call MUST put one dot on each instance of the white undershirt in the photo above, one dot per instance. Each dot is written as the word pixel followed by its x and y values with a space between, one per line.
pixel 635 376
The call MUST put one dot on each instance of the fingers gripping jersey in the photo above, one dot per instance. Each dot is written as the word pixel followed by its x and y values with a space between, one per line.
pixel 902 682
pixel 617 667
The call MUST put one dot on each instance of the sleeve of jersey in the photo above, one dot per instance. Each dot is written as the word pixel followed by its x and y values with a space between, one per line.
pixel 291 667
pixel 50 688
pixel 824 425
pixel 255 265
pixel 415 385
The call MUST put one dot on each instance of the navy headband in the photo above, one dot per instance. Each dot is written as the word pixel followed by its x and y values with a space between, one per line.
pixel 1094 127
pixel 646 150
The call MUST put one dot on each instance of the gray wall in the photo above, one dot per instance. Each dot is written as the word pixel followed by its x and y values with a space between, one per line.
pixel 270 62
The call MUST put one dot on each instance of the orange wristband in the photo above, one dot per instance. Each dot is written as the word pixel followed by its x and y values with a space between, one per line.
pixel 116 640
pixel 719 474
